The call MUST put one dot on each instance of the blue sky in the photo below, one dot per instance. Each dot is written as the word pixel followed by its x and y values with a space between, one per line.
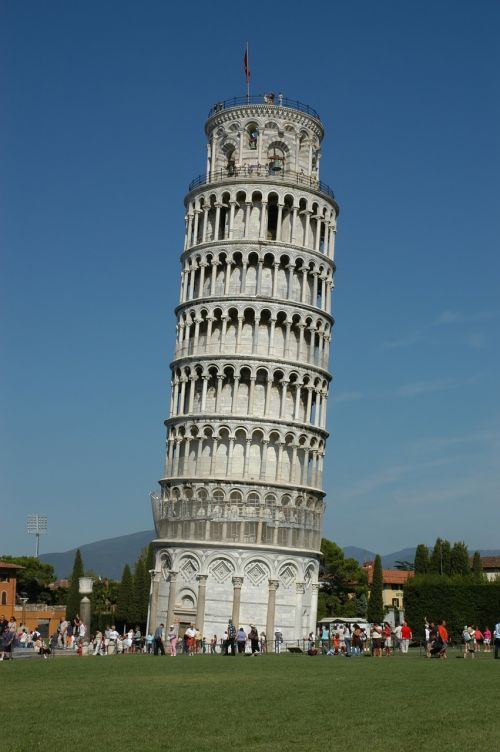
pixel 101 130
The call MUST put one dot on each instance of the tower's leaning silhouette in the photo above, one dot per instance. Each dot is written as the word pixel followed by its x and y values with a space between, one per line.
pixel 238 518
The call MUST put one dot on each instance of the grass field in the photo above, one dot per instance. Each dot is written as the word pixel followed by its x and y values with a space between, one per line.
pixel 288 702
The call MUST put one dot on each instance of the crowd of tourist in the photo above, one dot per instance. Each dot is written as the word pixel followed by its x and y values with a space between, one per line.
pixel 337 639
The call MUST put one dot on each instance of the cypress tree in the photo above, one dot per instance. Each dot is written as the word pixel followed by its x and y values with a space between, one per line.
pixel 124 603
pixel 446 557
pixel 73 600
pixel 460 560
pixel 150 559
pixel 141 591
pixel 421 563
pixel 477 567
pixel 436 559
pixel 375 611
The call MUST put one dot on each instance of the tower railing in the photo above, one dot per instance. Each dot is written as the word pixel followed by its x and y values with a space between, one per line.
pixel 271 99
pixel 249 172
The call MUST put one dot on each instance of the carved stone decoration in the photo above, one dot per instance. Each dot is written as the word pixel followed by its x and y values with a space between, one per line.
pixel 287 575
pixel 188 569
pixel 221 570
pixel 256 572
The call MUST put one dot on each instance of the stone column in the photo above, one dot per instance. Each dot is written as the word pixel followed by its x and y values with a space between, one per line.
pixel 200 607
pixel 171 598
pixel 237 585
pixel 197 213
pixel 300 590
pixel 280 220
pixel 153 600
pixel 271 608
pixel 217 221
pixel 206 209
pixel 248 209
pixel 314 607
pixel 263 221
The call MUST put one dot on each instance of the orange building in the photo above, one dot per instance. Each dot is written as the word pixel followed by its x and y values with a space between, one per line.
pixel 8 578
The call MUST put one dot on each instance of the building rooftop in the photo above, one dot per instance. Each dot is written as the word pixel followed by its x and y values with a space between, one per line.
pixel 390 576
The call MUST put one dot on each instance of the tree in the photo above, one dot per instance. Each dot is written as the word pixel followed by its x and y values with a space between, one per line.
pixel 375 611
pixel 361 605
pixel 477 567
pixel 460 564
pixel 440 561
pixel 125 597
pixel 421 563
pixel 342 580
pixel 141 591
pixel 73 601
pixel 150 558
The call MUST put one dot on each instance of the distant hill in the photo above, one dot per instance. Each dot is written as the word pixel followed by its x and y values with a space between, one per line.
pixel 108 557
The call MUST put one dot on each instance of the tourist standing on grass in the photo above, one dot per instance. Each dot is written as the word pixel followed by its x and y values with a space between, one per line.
pixel 213 645
pixel 468 640
pixel 347 639
pixel 406 635
pixel 159 647
pixel 496 637
pixel 172 640
pixel 253 636
pixel 231 638
pixel 149 642
pixel 388 638
pixel 8 637
pixel 356 641
pixel 397 637
pixel 443 634
pixel 263 642
pixel 241 639
pixel 376 635
pixel 487 640
pixel 190 639
pixel 479 639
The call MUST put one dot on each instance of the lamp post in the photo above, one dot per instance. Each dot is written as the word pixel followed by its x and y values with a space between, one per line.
pixel 85 585
pixel 36 524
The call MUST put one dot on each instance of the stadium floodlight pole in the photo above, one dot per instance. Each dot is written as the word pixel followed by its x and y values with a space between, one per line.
pixel 36 524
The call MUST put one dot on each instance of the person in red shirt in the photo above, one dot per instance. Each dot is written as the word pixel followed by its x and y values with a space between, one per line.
pixel 406 636
pixel 443 633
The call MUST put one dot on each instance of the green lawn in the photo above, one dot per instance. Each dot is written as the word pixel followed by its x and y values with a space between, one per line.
pixel 138 702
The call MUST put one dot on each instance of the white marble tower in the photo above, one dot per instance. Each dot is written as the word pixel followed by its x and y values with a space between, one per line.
pixel 238 518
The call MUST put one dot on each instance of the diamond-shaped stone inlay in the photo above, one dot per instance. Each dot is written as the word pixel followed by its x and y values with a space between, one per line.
pixel 287 576
pixel 188 570
pixel 255 573
pixel 220 570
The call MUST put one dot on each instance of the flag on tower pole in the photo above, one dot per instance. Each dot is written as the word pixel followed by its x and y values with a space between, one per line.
pixel 247 71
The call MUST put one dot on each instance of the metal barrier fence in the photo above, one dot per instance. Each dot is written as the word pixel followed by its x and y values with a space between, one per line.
pixel 263 99
pixel 250 172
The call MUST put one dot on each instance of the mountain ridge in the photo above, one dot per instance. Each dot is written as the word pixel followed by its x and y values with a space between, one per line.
pixel 107 557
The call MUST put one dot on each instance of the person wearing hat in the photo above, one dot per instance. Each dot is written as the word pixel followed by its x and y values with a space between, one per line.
pixel 253 636
pixel 172 640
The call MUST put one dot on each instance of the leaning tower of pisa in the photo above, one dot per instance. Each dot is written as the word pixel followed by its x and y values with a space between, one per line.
pixel 239 514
